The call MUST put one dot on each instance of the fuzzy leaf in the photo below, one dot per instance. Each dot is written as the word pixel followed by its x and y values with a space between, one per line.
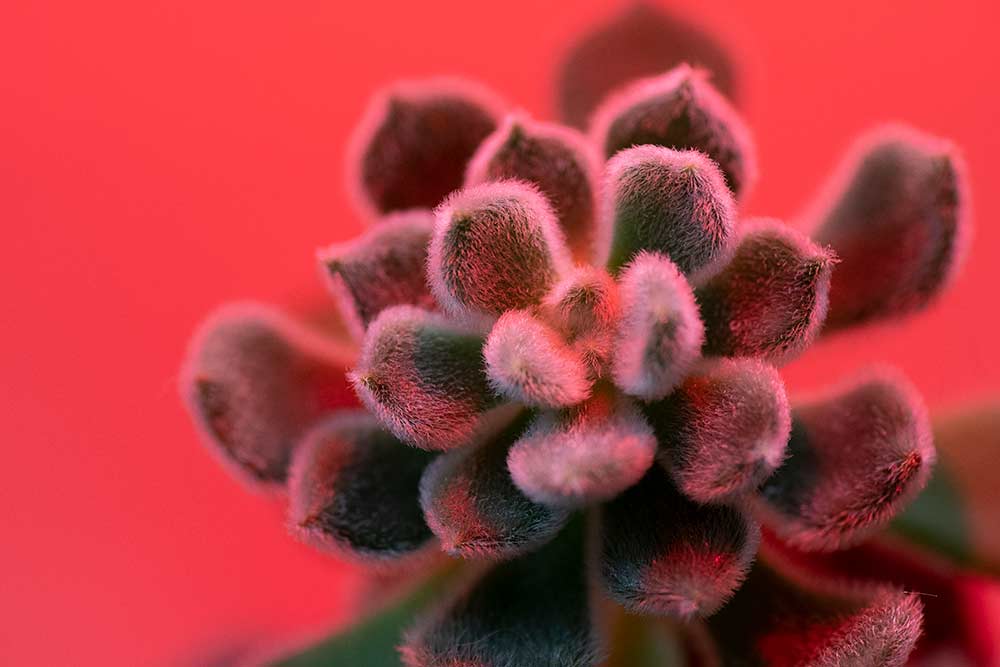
pixel 585 454
pixel 641 41
pixel 659 334
pixel 957 515
pixel 855 458
pixel 683 111
pixel 528 362
pixel 956 632
pixel 415 140
pixel 385 267
pixel 898 219
pixel 663 554
pixel 532 610
pixel 783 617
pixel 558 160
pixel 423 377
pixel 472 505
pixel 724 431
pixel 672 202
pixel 496 247
pixel 585 307
pixel 770 300
pixel 353 489
pixel 255 382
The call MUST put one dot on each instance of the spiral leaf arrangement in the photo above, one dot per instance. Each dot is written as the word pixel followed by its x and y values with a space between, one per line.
pixel 566 370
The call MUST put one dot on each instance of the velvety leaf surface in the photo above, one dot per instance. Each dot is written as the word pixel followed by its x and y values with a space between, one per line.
pixel 255 382
pixel 423 377
pixel 855 458
pixel 558 160
pixel 415 140
pixel 683 111
pixel 898 219
pixel 666 201
pixel 353 489
pixel 533 610
pixel 770 300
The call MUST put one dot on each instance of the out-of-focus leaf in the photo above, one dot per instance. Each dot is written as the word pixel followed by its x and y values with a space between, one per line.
pixel 371 642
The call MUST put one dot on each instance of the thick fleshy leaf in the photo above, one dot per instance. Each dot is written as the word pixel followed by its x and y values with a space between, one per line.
pixel 384 267
pixel 957 632
pixel 957 515
pixel 724 431
pixel 663 554
pixel 532 610
pixel 898 219
pixel 496 247
pixel 373 641
pixel 558 160
pixel 353 489
pixel 423 377
pixel 782 617
pixel 527 361
pixel 415 140
pixel 585 308
pixel 770 300
pixel 679 110
pixel 255 382
pixel 472 505
pixel 641 41
pixel 672 202
pixel 585 454
pixel 855 458
pixel 659 335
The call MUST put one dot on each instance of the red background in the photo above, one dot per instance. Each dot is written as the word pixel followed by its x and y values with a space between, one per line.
pixel 158 158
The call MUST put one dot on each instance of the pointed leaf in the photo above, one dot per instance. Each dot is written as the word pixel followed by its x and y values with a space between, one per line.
pixel 255 382
pixel 640 41
pixel 770 300
pixel 683 111
pixel 415 140
pixel 423 377
pixel 558 160
pixel 724 431
pixel 855 458
pixel 384 267
pixel 899 221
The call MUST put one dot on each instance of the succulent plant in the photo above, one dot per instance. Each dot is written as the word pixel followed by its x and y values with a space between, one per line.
pixel 564 374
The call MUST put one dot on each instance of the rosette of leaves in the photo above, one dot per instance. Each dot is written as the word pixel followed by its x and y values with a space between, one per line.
pixel 564 375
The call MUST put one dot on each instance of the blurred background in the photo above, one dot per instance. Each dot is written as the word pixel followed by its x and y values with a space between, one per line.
pixel 160 158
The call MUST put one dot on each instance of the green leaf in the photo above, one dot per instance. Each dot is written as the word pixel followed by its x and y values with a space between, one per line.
pixel 957 515
pixel 371 642
pixel 936 519
pixel 644 641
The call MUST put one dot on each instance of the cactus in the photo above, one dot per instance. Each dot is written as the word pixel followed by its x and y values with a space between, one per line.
pixel 566 378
